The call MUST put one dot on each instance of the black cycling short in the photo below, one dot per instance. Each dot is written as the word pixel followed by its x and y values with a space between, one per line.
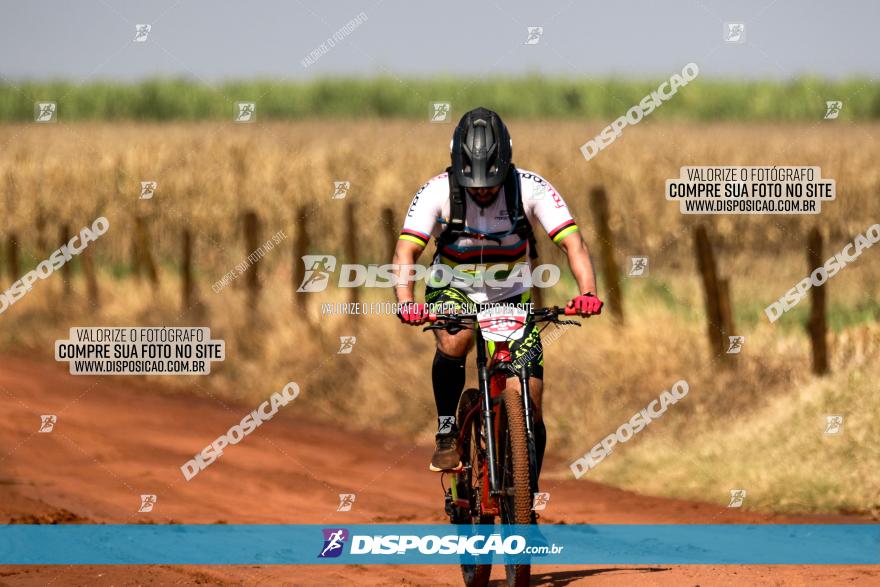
pixel 527 349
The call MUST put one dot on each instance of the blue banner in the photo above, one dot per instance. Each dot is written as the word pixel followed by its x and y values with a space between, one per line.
pixel 623 544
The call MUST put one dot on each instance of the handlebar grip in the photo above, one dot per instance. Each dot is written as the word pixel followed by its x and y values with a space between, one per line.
pixel 432 317
pixel 570 311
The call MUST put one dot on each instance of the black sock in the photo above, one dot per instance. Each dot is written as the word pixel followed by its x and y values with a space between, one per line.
pixel 447 375
pixel 540 442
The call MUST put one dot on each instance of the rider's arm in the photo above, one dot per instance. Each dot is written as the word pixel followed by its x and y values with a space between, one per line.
pixel 405 253
pixel 580 262
pixel 552 212
pixel 418 227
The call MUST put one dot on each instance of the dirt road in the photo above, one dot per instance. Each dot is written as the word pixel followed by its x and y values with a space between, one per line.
pixel 116 439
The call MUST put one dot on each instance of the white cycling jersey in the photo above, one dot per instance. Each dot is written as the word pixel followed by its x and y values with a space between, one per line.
pixel 429 213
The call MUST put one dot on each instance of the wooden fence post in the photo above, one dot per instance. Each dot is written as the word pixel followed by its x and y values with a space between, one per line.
pixel 66 272
pixel 13 264
pixel 351 252
pixel 41 222
pixel 711 288
pixel 599 204
pixel 818 324
pixel 300 248
pixel 251 239
pixel 391 229
pixel 144 251
pixel 186 271
pixel 726 308
pixel 88 263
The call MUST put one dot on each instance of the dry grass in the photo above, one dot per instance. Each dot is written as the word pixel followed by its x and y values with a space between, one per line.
pixel 733 430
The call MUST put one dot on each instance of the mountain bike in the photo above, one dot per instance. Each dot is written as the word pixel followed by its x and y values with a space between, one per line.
pixel 496 439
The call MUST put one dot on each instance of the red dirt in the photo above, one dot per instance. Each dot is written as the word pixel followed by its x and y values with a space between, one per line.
pixel 117 438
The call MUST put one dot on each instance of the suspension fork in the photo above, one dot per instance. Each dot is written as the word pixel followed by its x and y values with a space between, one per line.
pixel 523 375
pixel 488 413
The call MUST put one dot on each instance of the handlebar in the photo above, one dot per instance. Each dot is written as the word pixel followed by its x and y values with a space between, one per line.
pixel 540 314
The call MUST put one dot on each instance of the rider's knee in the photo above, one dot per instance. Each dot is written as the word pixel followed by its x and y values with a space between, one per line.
pixel 453 346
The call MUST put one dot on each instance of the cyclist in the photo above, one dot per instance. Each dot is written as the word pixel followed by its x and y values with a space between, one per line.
pixel 480 213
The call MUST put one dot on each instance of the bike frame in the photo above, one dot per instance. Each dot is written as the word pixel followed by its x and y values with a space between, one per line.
pixel 492 377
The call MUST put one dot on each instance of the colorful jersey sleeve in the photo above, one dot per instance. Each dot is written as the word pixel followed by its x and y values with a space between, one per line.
pixel 421 221
pixel 543 203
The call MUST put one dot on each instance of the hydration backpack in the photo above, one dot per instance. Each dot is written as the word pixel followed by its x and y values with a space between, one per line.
pixel 513 199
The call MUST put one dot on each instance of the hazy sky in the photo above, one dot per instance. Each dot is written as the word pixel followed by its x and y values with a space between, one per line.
pixel 220 39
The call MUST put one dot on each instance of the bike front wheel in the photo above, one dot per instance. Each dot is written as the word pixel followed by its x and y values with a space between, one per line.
pixel 516 498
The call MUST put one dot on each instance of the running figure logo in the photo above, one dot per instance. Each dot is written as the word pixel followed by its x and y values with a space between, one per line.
pixel 47 422
pixel 832 109
pixel 535 33
pixel 736 344
pixel 245 111
pixel 45 111
pixel 148 189
pixel 346 344
pixel 540 501
pixel 340 189
pixel 141 32
pixel 334 539
pixel 734 32
pixel 440 111
pixel 147 503
pixel 317 275
pixel 445 424
pixel 833 425
pixel 737 497
pixel 346 500
pixel 638 266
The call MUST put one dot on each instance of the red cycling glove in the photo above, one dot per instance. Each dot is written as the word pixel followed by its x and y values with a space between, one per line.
pixel 413 314
pixel 586 304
